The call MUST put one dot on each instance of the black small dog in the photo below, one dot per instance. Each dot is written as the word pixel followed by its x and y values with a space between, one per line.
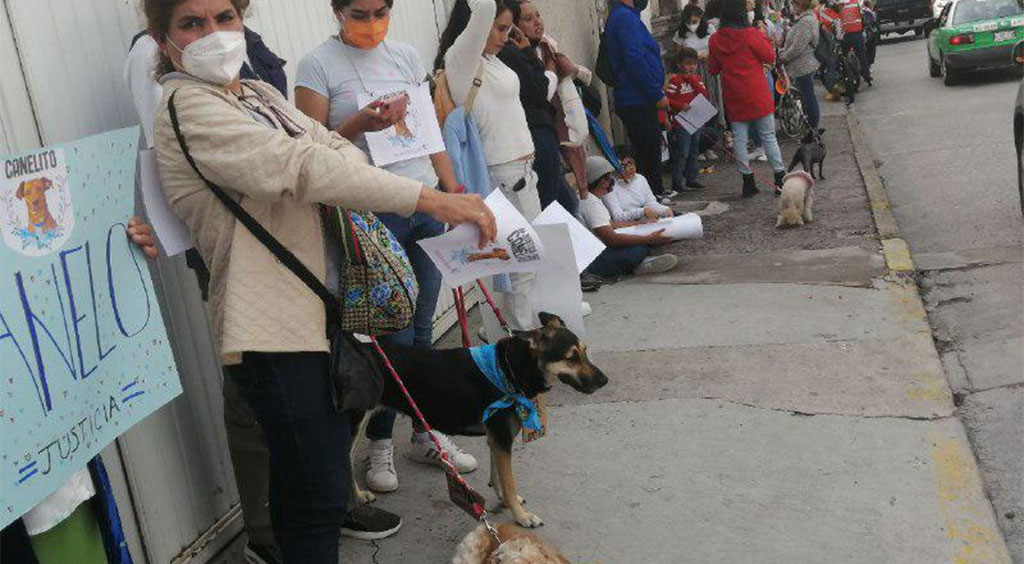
pixel 812 150
pixel 453 393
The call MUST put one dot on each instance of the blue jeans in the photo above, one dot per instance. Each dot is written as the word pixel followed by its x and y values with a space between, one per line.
pixel 618 261
pixel 765 129
pixel 408 231
pixel 805 85
pixel 547 163
pixel 685 148
pixel 308 442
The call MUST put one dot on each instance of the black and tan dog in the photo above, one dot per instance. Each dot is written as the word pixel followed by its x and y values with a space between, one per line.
pixel 453 393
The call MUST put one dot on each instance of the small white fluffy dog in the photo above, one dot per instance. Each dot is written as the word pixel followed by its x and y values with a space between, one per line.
pixel 517 547
pixel 796 200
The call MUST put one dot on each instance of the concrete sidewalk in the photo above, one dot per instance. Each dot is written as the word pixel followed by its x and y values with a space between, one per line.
pixel 780 402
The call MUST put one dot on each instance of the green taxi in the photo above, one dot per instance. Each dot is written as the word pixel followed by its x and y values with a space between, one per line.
pixel 972 35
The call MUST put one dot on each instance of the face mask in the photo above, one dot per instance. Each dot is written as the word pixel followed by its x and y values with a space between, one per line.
pixel 692 27
pixel 366 35
pixel 640 5
pixel 216 58
pixel 750 17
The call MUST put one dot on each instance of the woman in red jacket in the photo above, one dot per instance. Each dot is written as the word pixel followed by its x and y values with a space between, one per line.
pixel 739 53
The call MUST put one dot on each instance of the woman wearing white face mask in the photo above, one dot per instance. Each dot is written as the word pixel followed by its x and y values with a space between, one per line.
pixel 334 84
pixel 281 167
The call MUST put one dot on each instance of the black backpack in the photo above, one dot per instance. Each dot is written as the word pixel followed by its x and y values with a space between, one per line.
pixel 603 67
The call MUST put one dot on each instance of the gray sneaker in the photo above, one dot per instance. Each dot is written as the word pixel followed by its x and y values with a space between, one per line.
pixel 657 264
pixel 366 522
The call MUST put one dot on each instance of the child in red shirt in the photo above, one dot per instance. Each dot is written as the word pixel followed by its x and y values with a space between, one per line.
pixel 682 88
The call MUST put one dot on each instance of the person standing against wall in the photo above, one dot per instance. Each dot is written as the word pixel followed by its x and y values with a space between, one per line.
pixel 537 91
pixel 282 168
pixel 635 58
pixel 477 31
pixel 360 63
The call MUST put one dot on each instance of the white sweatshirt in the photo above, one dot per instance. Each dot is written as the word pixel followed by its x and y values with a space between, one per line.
pixel 627 201
pixel 497 110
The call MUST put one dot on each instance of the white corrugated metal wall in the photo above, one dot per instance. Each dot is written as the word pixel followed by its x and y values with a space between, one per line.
pixel 62 80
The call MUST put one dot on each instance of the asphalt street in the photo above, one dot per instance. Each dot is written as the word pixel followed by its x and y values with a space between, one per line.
pixel 946 157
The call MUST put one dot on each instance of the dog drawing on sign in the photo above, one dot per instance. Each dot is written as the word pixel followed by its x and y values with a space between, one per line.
pixel 33 192
pixel 489 390
pixel 796 201
pixel 496 253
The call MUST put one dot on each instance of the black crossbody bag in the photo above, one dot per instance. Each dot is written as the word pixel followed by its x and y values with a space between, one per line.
pixel 356 378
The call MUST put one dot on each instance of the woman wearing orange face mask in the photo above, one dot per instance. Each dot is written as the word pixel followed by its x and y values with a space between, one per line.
pixel 335 84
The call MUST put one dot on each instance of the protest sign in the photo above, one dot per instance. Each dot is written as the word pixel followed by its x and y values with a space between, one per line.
pixel 457 253
pixel 586 246
pixel 416 135
pixel 82 342
pixel 686 226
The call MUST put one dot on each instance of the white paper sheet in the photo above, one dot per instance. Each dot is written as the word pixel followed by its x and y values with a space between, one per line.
pixel 557 287
pixel 171 232
pixel 701 111
pixel 460 259
pixel 585 245
pixel 688 226
pixel 417 135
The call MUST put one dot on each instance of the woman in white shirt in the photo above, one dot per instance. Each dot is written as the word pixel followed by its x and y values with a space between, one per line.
pixel 695 32
pixel 477 30
pixel 360 64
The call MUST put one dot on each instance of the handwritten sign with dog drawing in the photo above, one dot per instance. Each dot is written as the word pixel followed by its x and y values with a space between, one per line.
pixel 416 135
pixel 83 350
pixel 459 258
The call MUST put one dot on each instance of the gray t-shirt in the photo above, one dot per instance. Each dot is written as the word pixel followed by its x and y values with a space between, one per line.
pixel 341 73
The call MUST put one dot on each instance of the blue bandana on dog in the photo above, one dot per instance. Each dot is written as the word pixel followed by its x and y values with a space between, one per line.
pixel 486 359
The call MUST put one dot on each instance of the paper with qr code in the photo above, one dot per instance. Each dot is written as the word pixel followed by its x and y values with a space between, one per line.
pixel 459 258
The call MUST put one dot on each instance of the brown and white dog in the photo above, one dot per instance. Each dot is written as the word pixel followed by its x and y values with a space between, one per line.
pixel 517 547
pixel 797 200
pixel 33 192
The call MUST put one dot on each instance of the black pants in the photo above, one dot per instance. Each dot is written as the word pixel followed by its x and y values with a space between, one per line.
pixel 547 163
pixel 645 135
pixel 310 478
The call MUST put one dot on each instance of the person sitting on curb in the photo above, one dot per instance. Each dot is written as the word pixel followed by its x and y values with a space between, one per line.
pixel 631 199
pixel 626 254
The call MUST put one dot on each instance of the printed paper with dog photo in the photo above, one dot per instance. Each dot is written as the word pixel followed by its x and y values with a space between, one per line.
pixel 418 135
pixel 35 203
pixel 460 259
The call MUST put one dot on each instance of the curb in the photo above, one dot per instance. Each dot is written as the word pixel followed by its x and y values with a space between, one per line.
pixel 895 249
pixel 960 487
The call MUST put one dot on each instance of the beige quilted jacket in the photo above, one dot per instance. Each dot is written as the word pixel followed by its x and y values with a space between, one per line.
pixel 256 303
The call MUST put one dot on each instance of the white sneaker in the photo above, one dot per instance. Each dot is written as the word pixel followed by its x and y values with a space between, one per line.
pixel 657 264
pixel 587 310
pixel 758 155
pixel 670 194
pixel 424 450
pixel 702 157
pixel 666 201
pixel 711 155
pixel 380 467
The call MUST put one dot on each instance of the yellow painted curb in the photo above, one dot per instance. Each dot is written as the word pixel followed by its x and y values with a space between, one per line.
pixel 966 513
pixel 897 255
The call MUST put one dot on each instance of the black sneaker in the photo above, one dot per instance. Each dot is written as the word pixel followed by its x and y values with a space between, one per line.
pixel 694 185
pixel 366 522
pixel 263 554
pixel 590 282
